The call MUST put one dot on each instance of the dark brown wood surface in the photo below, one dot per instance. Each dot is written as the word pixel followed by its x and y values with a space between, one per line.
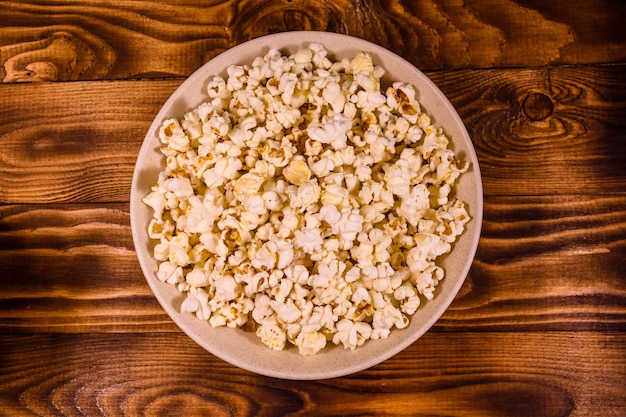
pixel 539 327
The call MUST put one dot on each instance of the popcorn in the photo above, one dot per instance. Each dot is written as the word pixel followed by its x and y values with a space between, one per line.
pixel 352 334
pixel 298 274
pixel 272 335
pixel 308 240
pixel 333 132
pixel 179 249
pixel 330 214
pixel 362 63
pixel 181 187
pixel 158 228
pixel 287 312
pixel 265 257
pixel 271 200
pixel 323 167
pixel 350 223
pixel 332 94
pixel 198 219
pixel 197 277
pixel 170 273
pixel 285 252
pixel 156 200
pixel 173 136
pixel 387 317
pixel 190 304
pixel 304 197
pixel 249 183
pixel 226 288
pixel 297 172
pixel 223 170
pixel 310 343
pixel 407 295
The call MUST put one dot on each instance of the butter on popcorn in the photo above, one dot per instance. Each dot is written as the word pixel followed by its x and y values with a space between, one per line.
pixel 306 201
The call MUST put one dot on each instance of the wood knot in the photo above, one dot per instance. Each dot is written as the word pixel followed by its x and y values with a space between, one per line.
pixel 42 55
pixel 537 106
pixel 275 17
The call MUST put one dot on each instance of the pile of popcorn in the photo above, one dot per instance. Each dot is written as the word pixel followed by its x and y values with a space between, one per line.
pixel 304 202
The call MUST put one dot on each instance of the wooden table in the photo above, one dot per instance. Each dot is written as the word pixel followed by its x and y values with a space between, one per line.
pixel 539 328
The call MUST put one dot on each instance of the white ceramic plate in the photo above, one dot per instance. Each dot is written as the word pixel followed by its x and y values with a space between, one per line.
pixel 245 349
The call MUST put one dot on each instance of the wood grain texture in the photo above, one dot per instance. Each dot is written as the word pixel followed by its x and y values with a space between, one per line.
pixel 84 147
pixel 89 40
pixel 531 126
pixel 74 141
pixel 472 374
pixel 544 263
pixel 539 327
pixel 73 268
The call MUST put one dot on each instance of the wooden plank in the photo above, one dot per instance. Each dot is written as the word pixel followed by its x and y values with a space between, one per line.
pixel 112 40
pixel 567 124
pixel 73 268
pixel 84 147
pixel 471 374
pixel 109 40
pixel 543 263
